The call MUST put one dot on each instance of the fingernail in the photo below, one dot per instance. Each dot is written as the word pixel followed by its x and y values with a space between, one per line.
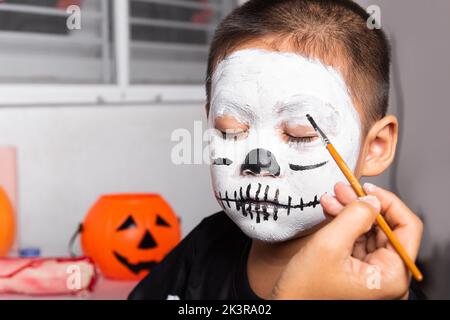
pixel 372 200
pixel 369 187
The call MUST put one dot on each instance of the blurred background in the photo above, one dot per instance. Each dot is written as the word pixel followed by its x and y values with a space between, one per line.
pixel 88 108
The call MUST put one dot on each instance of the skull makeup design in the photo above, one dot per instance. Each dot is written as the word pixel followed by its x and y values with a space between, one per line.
pixel 270 170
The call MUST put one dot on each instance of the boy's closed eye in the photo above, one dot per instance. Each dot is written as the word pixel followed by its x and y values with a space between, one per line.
pixel 231 128
pixel 298 133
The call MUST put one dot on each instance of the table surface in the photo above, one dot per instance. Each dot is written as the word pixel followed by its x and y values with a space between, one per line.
pixel 104 290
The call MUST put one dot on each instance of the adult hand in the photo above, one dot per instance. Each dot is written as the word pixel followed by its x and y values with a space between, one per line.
pixel 350 257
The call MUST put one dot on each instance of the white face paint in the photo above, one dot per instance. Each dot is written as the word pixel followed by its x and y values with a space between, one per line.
pixel 277 197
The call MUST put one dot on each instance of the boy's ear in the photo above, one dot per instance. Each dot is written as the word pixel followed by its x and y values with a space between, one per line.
pixel 379 146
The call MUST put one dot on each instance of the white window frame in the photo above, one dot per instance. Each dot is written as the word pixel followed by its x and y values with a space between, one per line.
pixel 121 92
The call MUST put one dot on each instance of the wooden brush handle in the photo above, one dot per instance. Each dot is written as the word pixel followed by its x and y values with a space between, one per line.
pixel 380 220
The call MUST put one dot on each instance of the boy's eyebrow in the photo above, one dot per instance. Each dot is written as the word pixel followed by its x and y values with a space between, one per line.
pixel 294 103
pixel 244 111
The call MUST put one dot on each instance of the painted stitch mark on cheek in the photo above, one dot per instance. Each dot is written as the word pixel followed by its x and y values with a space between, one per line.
pixel 227 200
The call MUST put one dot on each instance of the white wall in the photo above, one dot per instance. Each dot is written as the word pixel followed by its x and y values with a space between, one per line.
pixel 68 156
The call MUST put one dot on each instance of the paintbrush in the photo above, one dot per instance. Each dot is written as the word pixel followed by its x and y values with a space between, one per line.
pixel 361 193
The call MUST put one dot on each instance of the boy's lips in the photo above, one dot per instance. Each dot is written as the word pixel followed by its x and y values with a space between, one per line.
pixel 263 203
pixel 250 205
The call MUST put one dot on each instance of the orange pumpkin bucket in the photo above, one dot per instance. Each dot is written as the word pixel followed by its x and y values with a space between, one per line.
pixel 7 224
pixel 128 234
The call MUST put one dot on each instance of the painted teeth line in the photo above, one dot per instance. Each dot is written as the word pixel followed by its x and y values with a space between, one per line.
pixel 264 211
pixel 261 209
pixel 289 205
pixel 275 209
pixel 257 206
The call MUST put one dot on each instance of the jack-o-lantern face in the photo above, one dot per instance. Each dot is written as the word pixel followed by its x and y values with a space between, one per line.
pixel 127 235
pixel 147 242
pixel 7 224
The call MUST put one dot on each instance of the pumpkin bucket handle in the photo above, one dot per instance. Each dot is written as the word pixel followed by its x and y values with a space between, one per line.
pixel 73 238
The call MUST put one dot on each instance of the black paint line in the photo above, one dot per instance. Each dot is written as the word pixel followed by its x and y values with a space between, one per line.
pixel 244 213
pixel 242 202
pixel 289 205
pixel 316 201
pixel 222 162
pixel 221 200
pixel 266 214
pixel 266 192
pixel 318 130
pixel 258 191
pixel 309 167
pixel 303 205
pixel 249 210
pixel 275 209
pixel 260 207
pixel 227 200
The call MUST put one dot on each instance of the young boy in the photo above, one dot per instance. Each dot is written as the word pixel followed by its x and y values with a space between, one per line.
pixel 289 228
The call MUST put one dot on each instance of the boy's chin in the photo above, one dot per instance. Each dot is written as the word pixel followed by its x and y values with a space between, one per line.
pixel 284 229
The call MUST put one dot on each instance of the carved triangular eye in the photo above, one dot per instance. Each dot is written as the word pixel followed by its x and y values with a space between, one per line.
pixel 161 222
pixel 129 223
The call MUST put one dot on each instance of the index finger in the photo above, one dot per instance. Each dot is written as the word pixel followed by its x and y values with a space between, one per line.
pixel 403 222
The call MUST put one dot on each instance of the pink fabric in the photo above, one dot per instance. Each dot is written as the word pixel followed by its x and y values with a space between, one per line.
pixel 46 276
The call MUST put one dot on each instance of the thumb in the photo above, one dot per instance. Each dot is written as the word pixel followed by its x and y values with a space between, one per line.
pixel 352 222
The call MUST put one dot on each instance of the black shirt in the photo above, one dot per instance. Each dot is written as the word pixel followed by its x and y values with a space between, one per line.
pixel 209 263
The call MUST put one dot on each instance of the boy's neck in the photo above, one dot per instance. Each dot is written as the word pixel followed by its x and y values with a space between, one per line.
pixel 266 261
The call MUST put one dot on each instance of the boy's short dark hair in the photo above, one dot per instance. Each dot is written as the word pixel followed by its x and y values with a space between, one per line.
pixel 334 31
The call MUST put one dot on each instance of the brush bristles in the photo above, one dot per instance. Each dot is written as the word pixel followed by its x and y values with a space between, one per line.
pixel 318 130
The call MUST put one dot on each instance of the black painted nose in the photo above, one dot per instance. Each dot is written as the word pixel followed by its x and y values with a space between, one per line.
pixel 260 162
pixel 147 242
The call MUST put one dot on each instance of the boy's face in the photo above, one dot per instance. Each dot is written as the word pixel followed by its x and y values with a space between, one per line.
pixel 269 167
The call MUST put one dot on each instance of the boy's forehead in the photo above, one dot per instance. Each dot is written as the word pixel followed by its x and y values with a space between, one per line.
pixel 277 43
pixel 268 79
pixel 285 44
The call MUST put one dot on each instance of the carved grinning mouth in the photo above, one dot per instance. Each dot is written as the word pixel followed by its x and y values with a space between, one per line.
pixel 259 205
pixel 135 267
